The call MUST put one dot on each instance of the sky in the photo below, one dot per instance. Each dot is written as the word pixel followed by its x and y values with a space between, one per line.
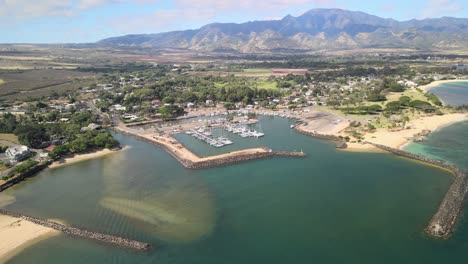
pixel 84 21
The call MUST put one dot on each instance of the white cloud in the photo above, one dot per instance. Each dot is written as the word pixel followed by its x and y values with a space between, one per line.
pixel 161 20
pixel 26 9
pixel 438 8
pixel 251 5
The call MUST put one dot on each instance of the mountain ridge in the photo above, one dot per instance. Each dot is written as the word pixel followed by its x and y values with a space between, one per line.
pixel 316 29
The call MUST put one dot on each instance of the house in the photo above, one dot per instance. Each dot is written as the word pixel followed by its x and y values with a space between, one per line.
pixel 18 153
pixel 190 105
pixel 90 127
pixel 50 148
pixel 156 102
pixel 119 107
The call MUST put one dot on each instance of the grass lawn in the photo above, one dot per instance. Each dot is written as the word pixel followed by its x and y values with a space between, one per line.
pixel 411 93
pixel 9 137
pixel 265 84
pixel 219 85
pixel 2 81
pixel 257 70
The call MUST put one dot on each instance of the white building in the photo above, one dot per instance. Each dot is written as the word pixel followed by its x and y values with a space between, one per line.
pixel 18 153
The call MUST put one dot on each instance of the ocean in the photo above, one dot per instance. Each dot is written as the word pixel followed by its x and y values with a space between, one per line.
pixel 330 207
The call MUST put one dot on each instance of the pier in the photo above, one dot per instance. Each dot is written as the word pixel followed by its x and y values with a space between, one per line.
pixel 82 233
pixel 444 220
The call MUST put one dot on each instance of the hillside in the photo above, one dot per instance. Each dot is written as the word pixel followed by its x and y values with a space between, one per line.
pixel 317 29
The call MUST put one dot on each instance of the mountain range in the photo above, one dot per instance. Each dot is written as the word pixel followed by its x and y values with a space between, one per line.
pixel 317 29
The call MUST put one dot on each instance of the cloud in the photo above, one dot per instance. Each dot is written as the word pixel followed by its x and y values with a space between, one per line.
pixel 438 8
pixel 87 4
pixel 163 20
pixel 24 9
pixel 250 5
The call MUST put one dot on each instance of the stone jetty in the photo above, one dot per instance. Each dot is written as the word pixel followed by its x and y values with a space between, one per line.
pixel 444 220
pixel 82 233
pixel 213 161
pixel 318 135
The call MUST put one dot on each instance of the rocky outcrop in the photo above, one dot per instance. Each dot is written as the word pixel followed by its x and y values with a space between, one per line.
pixel 82 233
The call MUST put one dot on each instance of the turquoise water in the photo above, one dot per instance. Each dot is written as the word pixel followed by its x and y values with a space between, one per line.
pixel 454 93
pixel 330 207
pixel 449 143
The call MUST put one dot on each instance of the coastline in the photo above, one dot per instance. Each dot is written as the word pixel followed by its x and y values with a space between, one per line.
pixel 17 234
pixel 433 84
pixel 399 139
pixel 76 158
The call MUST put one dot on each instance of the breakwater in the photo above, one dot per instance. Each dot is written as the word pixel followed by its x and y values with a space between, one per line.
pixel 24 175
pixel 214 161
pixel 82 233
pixel 444 220
pixel 318 135
pixel 218 162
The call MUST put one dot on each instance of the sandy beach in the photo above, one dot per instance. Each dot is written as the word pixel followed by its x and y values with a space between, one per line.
pixel 427 87
pixel 397 139
pixel 82 157
pixel 16 234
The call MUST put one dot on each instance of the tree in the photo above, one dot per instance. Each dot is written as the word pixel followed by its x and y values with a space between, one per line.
pixel 376 97
pixel 59 151
pixel 8 123
pixel 404 100
pixel 392 106
pixel 31 135
pixel 168 100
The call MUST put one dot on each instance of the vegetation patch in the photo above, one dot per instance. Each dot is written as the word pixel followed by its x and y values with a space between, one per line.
pixel 260 70
pixel 9 137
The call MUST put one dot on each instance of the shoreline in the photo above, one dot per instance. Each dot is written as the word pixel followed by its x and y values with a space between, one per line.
pixel 76 158
pixel 400 139
pixel 18 234
pixel 433 84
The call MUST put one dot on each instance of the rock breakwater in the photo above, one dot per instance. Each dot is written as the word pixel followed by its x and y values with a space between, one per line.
pixel 444 220
pixel 82 233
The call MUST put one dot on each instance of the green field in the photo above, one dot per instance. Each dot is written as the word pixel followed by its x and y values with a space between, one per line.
pixel 36 83
pixel 2 81
pixel 265 84
pixel 257 70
